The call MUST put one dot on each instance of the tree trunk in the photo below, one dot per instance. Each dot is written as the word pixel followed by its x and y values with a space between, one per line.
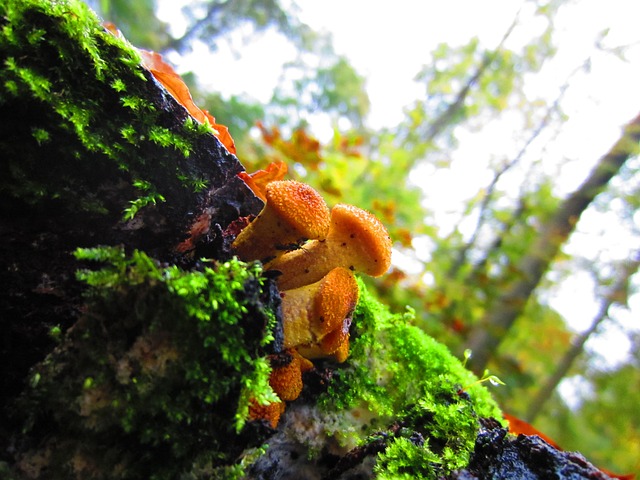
pixel 486 336
pixel 577 347
pixel 70 171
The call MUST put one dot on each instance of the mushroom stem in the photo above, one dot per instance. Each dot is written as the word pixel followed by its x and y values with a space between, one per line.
pixel 356 241
pixel 294 213
pixel 316 317
pixel 286 381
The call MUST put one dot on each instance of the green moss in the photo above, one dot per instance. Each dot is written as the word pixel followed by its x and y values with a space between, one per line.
pixel 163 362
pixel 150 196
pixel 166 138
pixel 64 73
pixel 415 392
pixel 403 459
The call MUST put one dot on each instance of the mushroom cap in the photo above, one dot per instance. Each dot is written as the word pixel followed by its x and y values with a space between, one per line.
pixel 294 212
pixel 335 302
pixel 366 234
pixel 319 310
pixel 335 345
pixel 270 412
pixel 299 207
pixel 356 240
pixel 342 352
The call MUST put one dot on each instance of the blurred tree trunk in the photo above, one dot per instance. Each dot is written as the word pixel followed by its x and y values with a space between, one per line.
pixel 617 294
pixel 486 336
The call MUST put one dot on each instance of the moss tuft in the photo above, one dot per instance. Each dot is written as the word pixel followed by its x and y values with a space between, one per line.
pixel 412 390
pixel 164 361
pixel 105 114
pixel 405 460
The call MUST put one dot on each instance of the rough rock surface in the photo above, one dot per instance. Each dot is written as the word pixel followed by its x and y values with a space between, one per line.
pixel 504 457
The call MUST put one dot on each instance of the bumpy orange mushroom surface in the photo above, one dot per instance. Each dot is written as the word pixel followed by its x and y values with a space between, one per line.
pixel 316 317
pixel 294 212
pixel 356 240
pixel 270 412
pixel 286 374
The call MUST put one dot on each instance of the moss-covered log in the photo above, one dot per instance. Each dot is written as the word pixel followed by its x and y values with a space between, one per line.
pixel 133 342
pixel 93 152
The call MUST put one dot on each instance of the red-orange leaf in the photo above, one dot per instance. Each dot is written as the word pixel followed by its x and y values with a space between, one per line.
pixel 517 426
pixel 270 136
pixel 167 76
pixel 258 180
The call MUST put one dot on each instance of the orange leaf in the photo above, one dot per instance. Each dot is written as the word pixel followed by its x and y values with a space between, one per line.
pixel 300 148
pixel 167 76
pixel 517 426
pixel 258 180
pixel 111 27
pixel 268 135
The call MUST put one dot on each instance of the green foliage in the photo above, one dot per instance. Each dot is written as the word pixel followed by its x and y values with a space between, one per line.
pixel 151 197
pixel 136 19
pixel 403 459
pixel 165 360
pixel 335 89
pixel 396 373
pixel 222 18
pixel 605 422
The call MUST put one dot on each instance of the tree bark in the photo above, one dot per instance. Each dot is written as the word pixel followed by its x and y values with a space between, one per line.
pixel 486 336
pixel 68 174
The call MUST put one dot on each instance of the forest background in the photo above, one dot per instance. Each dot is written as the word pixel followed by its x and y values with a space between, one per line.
pixel 505 175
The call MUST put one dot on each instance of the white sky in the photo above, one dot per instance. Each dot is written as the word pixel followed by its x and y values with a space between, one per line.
pixel 389 44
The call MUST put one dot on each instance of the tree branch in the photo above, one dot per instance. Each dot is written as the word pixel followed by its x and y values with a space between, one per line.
pixel 441 122
pixel 486 201
pixel 487 335
pixel 577 346
pixel 179 44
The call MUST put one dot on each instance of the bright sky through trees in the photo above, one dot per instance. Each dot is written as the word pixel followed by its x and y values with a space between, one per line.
pixel 389 43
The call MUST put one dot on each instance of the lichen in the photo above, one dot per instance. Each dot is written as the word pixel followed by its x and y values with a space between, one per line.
pixel 157 376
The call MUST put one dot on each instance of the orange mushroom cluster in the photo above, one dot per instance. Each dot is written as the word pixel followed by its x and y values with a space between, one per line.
pixel 317 252
pixel 293 213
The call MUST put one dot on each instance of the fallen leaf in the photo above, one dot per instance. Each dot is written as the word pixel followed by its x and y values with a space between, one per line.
pixel 517 426
pixel 167 76
pixel 258 180
pixel 173 83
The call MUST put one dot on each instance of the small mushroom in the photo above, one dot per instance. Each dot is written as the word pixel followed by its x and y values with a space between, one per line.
pixel 316 317
pixel 286 382
pixel 286 374
pixel 335 345
pixel 270 412
pixel 356 240
pixel 294 212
